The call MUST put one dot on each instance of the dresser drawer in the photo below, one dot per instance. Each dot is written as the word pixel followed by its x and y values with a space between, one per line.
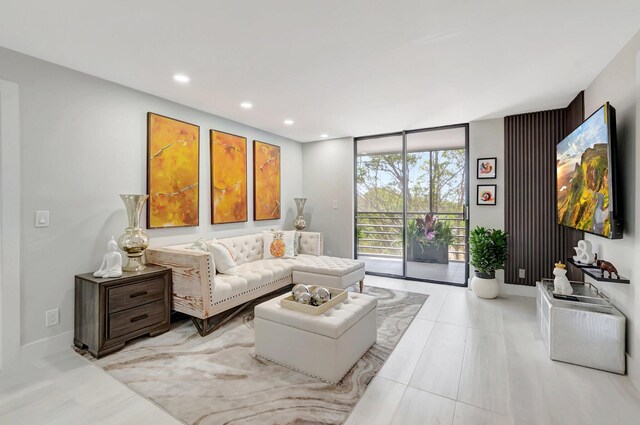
pixel 139 293
pixel 127 321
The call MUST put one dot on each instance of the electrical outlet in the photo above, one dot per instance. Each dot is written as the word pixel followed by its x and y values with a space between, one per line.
pixel 52 317
pixel 521 274
pixel 329 253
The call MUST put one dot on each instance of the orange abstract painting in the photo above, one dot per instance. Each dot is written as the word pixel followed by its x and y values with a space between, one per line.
pixel 228 177
pixel 173 153
pixel 266 181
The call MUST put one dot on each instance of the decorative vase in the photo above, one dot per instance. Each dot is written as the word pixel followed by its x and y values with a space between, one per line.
pixel 485 285
pixel 134 240
pixel 299 223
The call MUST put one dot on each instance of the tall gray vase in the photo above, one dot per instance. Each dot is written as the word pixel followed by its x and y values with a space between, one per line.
pixel 134 240
pixel 299 223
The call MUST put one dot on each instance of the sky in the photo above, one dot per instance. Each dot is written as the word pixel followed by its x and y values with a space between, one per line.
pixel 590 132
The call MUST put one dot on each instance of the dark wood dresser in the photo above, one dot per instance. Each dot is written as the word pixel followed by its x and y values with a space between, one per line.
pixel 109 312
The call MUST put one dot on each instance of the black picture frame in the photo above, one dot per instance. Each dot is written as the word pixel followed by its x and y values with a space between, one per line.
pixel 493 162
pixel 494 190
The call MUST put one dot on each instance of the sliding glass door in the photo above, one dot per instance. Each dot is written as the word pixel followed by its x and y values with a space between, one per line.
pixel 411 201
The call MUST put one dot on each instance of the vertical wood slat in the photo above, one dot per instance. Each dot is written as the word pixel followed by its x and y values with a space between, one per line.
pixel 536 241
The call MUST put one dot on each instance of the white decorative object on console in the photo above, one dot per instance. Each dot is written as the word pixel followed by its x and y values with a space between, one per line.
pixel 561 284
pixel 584 252
pixel 111 262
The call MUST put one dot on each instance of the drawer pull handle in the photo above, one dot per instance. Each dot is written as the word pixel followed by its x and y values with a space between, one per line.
pixel 138 294
pixel 135 319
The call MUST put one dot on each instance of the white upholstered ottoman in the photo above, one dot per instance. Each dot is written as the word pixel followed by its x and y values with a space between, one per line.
pixel 324 346
pixel 333 272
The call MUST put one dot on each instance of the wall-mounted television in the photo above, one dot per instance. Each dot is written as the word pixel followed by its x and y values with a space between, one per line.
pixel 586 177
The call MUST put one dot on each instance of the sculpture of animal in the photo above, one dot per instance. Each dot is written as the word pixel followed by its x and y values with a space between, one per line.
pixel 606 266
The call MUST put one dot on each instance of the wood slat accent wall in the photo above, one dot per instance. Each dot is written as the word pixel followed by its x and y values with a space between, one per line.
pixel 573 117
pixel 535 240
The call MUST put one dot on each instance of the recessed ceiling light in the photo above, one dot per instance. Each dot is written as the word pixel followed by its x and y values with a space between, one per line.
pixel 288 122
pixel 181 78
pixel 324 136
pixel 246 105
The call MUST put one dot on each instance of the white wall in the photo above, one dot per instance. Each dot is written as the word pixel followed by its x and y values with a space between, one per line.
pixel 618 84
pixel 327 177
pixel 486 140
pixel 84 142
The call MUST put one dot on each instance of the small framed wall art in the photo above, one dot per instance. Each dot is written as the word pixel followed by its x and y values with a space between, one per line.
pixel 486 194
pixel 173 173
pixel 228 177
pixel 266 181
pixel 487 168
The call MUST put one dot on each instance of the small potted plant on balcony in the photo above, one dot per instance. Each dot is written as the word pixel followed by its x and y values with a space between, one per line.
pixel 428 240
pixel 488 252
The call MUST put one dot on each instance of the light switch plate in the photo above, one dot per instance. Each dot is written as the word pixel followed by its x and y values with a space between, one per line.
pixel 42 218
pixel 335 204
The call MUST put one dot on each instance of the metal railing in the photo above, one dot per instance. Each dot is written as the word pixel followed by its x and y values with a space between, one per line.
pixel 380 233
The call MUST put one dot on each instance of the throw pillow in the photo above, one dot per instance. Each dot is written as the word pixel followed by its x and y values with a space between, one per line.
pixel 199 245
pixel 278 244
pixel 225 263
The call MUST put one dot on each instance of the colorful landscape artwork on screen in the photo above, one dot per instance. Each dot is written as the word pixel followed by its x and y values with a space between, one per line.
pixel 583 177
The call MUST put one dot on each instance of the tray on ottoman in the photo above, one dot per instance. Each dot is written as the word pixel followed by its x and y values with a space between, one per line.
pixel 337 296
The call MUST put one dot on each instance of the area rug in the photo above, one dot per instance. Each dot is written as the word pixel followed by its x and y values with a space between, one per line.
pixel 218 380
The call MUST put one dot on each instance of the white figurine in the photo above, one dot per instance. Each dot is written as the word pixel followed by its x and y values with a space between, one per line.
pixel 584 253
pixel 111 262
pixel 561 284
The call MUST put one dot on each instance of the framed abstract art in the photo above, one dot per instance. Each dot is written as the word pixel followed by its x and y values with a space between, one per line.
pixel 228 155
pixel 266 181
pixel 173 173
pixel 486 194
pixel 487 168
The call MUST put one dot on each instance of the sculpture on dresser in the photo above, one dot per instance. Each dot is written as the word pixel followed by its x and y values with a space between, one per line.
pixel 606 266
pixel 584 253
pixel 561 283
pixel 111 262
pixel 134 240
pixel 299 223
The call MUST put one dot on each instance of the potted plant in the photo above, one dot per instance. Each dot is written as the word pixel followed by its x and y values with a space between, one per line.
pixel 488 252
pixel 429 239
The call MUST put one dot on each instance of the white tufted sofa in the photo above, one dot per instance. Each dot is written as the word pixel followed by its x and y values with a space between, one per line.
pixel 201 293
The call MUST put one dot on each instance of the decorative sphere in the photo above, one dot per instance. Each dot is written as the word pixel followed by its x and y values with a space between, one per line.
pixel 304 298
pixel 300 289
pixel 321 296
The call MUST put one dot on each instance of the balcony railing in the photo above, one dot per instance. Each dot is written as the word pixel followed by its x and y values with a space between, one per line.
pixel 380 233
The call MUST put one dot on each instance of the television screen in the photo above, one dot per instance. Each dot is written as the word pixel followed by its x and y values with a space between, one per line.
pixel 585 176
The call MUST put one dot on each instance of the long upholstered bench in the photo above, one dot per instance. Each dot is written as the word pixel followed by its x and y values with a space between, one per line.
pixel 206 295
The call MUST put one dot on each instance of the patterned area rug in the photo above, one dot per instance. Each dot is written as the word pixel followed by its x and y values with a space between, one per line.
pixel 218 380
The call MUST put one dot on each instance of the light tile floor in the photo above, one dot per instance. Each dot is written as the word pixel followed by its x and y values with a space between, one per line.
pixel 462 361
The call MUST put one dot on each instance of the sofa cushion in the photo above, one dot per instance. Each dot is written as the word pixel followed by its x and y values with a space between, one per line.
pixel 251 276
pixel 333 266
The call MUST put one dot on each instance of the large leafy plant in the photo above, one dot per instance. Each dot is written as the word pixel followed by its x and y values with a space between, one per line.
pixel 430 231
pixel 488 249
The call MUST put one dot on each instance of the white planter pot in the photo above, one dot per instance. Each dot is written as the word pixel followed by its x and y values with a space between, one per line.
pixel 485 288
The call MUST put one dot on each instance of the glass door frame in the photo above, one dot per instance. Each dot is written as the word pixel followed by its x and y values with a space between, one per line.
pixel 405 187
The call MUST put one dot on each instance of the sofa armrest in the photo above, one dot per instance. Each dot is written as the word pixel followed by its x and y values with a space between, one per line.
pixel 192 273
pixel 311 243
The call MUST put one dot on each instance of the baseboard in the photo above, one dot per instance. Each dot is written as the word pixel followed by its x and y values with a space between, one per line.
pixel 518 290
pixel 46 347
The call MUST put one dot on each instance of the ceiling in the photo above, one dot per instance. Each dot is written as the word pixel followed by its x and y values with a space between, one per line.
pixel 335 67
